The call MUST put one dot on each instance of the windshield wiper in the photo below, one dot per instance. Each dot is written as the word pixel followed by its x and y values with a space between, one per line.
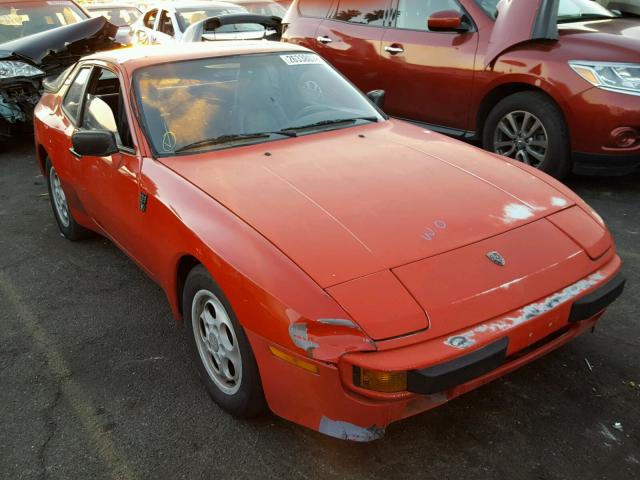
pixel 323 123
pixel 222 139
pixel 583 17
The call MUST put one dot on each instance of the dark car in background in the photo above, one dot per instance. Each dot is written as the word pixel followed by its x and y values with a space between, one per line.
pixel 120 14
pixel 553 83
pixel 40 39
pixel 20 18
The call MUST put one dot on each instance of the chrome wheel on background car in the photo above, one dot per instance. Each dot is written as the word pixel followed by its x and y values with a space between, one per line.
pixel 216 341
pixel 58 197
pixel 522 136
pixel 529 127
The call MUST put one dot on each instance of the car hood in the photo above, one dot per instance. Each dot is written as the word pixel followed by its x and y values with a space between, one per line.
pixel 347 203
pixel 520 21
pixel 614 40
pixel 56 49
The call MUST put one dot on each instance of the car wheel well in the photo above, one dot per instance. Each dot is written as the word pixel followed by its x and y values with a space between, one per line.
pixel 497 94
pixel 185 265
pixel 42 156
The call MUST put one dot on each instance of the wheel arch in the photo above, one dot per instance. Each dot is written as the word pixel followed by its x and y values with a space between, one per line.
pixel 41 157
pixel 502 91
pixel 185 264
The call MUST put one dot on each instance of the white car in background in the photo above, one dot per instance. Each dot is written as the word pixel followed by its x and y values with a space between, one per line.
pixel 262 7
pixel 165 23
pixel 123 15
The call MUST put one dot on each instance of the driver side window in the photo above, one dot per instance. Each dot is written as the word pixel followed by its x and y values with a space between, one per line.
pixel 413 14
pixel 166 24
pixel 104 107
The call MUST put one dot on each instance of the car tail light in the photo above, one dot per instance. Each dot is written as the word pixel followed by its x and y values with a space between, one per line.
pixel 624 137
pixel 379 381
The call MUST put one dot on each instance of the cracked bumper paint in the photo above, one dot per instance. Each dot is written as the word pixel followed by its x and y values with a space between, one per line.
pixel 328 402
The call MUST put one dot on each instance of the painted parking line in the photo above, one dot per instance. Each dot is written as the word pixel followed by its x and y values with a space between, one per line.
pixel 102 442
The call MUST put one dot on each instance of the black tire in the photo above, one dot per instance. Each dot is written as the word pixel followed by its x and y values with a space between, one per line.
pixel 557 158
pixel 248 401
pixel 69 228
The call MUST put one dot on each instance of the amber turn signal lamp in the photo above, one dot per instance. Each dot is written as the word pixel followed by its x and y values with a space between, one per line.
pixel 309 367
pixel 379 381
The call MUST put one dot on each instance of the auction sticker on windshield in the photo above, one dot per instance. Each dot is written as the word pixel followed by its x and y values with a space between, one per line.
pixel 301 59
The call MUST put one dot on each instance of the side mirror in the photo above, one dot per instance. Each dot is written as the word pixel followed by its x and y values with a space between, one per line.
pixel 94 143
pixel 447 21
pixel 377 97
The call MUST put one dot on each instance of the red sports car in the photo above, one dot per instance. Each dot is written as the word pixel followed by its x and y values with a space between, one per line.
pixel 341 268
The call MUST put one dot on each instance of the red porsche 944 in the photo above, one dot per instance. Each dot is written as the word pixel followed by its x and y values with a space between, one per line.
pixel 344 269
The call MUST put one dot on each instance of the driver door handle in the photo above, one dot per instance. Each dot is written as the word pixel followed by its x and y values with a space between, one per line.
pixel 394 49
pixel 324 39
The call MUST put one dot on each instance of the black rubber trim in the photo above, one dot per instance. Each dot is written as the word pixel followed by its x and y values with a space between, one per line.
pixel 545 26
pixel 605 164
pixel 458 371
pixel 595 302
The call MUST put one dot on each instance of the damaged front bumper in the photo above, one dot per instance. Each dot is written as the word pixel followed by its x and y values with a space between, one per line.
pixel 326 398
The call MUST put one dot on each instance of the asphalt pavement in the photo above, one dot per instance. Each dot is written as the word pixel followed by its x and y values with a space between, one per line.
pixel 96 380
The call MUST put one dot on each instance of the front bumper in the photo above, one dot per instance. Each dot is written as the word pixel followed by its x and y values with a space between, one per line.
pixel 592 116
pixel 438 370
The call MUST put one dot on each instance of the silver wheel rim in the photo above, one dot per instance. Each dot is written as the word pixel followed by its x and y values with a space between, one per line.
pixel 522 136
pixel 216 341
pixel 59 199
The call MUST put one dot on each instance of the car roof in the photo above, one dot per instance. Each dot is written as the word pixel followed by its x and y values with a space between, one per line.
pixel 133 58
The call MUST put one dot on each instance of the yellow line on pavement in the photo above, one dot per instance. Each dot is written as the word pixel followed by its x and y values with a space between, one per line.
pixel 83 407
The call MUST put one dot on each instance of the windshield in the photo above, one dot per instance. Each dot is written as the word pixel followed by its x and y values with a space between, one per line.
pixel 120 16
pixel 244 99
pixel 26 18
pixel 568 11
pixel 187 16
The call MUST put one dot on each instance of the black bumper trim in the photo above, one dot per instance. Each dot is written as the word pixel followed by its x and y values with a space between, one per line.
pixel 596 301
pixel 605 164
pixel 460 370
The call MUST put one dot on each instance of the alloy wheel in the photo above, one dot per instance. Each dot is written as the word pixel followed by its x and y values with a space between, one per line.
pixel 522 136
pixel 216 341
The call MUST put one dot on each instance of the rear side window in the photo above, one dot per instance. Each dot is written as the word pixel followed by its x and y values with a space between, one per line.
pixel 150 18
pixel 365 12
pixel 313 8
pixel 71 103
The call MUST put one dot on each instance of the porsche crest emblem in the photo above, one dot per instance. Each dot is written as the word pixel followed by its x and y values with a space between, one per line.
pixel 496 258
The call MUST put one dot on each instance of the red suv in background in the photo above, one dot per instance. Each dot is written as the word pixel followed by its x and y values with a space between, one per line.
pixel 553 83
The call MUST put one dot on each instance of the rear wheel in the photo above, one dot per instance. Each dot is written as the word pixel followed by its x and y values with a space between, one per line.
pixel 223 355
pixel 529 127
pixel 66 223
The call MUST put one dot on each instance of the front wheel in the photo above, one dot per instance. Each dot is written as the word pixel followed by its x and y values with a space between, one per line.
pixel 529 127
pixel 223 355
